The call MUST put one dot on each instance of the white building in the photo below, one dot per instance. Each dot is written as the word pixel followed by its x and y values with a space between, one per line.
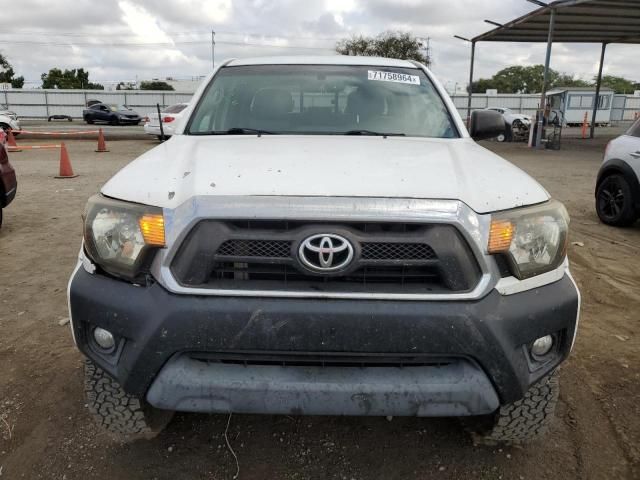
pixel 573 103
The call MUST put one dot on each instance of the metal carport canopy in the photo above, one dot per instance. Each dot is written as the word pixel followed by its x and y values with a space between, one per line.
pixel 569 21
pixel 576 21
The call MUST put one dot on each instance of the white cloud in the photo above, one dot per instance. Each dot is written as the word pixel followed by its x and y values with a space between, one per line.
pixel 81 33
pixel 142 23
pixel 340 6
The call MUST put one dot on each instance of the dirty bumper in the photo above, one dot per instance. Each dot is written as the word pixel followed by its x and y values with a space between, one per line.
pixel 191 385
pixel 277 355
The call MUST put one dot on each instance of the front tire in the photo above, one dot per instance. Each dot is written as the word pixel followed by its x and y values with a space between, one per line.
pixel 614 201
pixel 116 411
pixel 525 420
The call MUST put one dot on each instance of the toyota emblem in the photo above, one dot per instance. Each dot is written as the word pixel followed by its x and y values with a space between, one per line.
pixel 325 252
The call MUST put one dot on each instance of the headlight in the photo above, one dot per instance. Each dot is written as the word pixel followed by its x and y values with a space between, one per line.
pixel 534 239
pixel 119 235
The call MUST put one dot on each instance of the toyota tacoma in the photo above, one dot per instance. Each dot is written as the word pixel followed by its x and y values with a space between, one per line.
pixel 323 236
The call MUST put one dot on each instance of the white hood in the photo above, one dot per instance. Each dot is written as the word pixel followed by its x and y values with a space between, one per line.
pixel 344 166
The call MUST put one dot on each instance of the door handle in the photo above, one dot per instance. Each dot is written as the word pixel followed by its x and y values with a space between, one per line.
pixel 636 155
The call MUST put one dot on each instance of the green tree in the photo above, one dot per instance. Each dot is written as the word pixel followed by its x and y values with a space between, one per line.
pixel 565 80
pixel 155 85
pixel 619 84
pixel 7 75
pixel 70 79
pixel 388 44
pixel 518 79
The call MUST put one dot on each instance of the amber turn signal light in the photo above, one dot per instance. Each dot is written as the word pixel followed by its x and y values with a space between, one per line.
pixel 152 228
pixel 500 236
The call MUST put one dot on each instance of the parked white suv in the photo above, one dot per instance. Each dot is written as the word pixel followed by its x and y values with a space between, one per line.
pixel 618 184
pixel 323 236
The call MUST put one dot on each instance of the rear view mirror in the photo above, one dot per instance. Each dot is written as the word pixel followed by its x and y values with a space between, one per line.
pixel 486 124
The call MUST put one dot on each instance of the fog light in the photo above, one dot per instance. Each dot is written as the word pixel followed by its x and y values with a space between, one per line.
pixel 104 338
pixel 542 346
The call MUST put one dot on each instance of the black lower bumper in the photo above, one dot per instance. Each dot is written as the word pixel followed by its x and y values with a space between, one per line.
pixel 157 331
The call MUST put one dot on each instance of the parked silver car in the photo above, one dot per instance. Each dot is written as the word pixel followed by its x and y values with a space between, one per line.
pixel 618 185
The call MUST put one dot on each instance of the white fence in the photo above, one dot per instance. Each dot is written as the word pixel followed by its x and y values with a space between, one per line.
pixel 42 103
pixel 526 104
pixel 624 108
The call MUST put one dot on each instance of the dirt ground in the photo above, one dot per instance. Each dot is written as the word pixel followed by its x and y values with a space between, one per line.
pixel 47 433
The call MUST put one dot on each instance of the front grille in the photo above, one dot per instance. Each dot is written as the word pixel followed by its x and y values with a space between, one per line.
pixel 282 249
pixel 229 274
pixel 330 359
pixel 397 251
pixel 388 258
pixel 255 248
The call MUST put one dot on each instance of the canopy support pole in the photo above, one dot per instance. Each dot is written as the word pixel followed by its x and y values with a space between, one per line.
pixel 596 101
pixel 543 96
pixel 473 55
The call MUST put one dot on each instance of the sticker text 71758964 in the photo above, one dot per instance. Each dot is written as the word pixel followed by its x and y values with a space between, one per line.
pixel 394 77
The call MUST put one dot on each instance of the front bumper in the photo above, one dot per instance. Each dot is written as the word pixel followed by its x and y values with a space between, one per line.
pixel 133 121
pixel 485 342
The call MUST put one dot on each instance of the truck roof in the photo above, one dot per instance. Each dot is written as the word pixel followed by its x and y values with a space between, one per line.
pixel 324 60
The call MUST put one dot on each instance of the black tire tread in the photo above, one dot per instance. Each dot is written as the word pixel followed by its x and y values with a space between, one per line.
pixel 628 215
pixel 526 419
pixel 115 410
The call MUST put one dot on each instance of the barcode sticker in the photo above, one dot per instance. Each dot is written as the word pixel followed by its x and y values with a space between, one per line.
pixel 394 77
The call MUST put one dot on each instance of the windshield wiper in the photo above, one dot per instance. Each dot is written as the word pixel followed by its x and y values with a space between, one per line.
pixel 236 131
pixel 372 133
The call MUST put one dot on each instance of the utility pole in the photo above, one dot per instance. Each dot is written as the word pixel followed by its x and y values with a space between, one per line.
pixel 473 56
pixel 425 45
pixel 213 49
pixel 543 97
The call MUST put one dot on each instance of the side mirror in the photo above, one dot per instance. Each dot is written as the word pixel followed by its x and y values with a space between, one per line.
pixel 486 124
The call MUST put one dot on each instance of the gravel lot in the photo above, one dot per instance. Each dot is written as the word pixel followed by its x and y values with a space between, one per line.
pixel 46 431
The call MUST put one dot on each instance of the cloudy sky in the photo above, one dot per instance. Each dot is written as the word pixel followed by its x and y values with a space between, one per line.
pixel 128 40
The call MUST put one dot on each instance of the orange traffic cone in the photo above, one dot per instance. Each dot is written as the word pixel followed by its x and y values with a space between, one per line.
pixel 11 141
pixel 65 165
pixel 102 146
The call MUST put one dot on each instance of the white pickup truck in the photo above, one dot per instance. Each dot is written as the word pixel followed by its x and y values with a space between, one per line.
pixel 324 236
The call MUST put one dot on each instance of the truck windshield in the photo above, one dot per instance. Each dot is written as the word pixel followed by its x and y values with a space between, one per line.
pixel 326 100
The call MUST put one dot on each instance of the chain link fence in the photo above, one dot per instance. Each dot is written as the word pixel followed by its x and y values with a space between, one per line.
pixel 43 103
